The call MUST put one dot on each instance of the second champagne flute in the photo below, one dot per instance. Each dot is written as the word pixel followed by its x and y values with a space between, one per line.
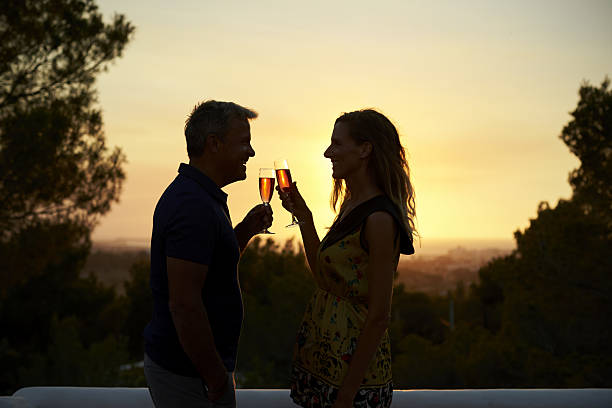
pixel 266 187
pixel 283 175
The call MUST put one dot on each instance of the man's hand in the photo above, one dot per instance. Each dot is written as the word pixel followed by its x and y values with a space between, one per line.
pixel 216 392
pixel 256 220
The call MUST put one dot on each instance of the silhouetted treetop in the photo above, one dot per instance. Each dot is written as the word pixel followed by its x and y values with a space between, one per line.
pixel 54 164
pixel 54 48
pixel 589 136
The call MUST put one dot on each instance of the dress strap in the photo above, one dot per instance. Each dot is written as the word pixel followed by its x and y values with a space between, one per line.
pixel 354 220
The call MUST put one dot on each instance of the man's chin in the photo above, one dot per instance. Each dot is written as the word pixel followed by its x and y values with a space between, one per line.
pixel 237 177
pixel 241 176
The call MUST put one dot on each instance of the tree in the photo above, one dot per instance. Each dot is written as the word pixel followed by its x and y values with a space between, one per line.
pixel 277 286
pixel 56 174
pixel 54 164
pixel 57 177
pixel 551 299
pixel 589 137
pixel 138 306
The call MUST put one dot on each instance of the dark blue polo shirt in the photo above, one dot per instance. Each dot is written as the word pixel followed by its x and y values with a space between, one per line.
pixel 192 222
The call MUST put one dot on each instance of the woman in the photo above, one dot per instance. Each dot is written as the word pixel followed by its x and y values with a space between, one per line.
pixel 342 353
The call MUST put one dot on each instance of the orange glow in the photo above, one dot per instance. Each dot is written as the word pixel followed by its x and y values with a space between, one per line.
pixel 479 95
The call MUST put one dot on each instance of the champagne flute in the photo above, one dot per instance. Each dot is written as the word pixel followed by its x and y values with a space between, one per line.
pixel 283 175
pixel 266 187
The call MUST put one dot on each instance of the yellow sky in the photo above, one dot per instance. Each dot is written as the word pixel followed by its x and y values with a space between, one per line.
pixel 478 90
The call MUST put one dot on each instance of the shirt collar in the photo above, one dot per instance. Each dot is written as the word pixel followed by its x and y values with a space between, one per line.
pixel 204 181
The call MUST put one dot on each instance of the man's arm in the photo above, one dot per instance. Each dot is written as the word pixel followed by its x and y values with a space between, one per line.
pixel 185 282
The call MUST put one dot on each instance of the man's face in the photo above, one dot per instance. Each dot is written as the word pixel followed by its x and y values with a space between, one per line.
pixel 236 150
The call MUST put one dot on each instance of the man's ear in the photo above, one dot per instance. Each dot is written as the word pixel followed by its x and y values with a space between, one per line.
pixel 213 143
pixel 366 149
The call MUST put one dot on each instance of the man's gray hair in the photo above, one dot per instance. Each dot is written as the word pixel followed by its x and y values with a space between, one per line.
pixel 212 117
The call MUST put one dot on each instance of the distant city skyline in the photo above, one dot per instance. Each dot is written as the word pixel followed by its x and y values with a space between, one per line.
pixel 429 247
pixel 479 91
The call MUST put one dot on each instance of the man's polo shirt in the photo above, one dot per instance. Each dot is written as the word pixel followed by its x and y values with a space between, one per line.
pixel 192 222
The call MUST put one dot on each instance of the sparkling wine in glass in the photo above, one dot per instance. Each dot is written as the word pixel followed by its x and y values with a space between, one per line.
pixel 266 187
pixel 283 176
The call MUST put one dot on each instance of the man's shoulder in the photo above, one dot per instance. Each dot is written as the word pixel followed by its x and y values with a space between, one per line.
pixel 185 200
pixel 185 190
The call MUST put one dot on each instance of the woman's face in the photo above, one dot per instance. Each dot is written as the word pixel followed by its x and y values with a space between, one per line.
pixel 344 153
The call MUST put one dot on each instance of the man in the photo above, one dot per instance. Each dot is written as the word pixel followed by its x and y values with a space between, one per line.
pixel 192 338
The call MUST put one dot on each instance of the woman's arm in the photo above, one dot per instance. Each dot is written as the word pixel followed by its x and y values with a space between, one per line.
pixel 293 201
pixel 379 230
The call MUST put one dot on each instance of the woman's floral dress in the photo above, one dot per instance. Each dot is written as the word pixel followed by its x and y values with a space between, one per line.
pixel 334 318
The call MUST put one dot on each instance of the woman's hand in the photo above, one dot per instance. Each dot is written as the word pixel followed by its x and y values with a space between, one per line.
pixel 293 202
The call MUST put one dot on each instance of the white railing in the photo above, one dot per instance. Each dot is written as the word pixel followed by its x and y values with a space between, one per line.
pixel 94 397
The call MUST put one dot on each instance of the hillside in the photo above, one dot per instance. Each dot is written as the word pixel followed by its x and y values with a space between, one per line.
pixel 111 264
pixel 437 274
pixel 432 274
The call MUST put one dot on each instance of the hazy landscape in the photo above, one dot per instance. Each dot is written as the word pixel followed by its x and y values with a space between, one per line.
pixel 435 269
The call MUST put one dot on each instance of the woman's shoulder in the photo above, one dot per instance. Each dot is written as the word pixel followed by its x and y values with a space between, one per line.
pixel 381 211
pixel 381 218
pixel 378 206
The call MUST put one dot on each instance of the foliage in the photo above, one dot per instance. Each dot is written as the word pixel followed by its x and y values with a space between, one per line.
pixel 277 286
pixel 542 316
pixel 415 313
pixel 137 306
pixel 53 158
pixel 68 361
pixel 112 265
pixel 589 136
pixel 56 178
pixel 40 247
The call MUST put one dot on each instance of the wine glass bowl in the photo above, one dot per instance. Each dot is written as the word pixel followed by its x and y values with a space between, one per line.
pixel 266 187
pixel 283 176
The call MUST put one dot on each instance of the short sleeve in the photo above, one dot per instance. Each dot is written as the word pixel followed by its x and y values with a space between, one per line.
pixel 191 235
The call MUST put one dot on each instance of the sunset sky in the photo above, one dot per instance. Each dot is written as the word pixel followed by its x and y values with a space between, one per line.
pixel 479 91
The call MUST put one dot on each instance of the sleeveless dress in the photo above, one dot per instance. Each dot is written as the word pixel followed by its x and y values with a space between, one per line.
pixel 336 314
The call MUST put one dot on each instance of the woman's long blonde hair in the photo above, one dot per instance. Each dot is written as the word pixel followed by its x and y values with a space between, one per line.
pixel 387 163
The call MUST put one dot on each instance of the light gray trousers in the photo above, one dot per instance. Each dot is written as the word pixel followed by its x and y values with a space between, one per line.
pixel 169 390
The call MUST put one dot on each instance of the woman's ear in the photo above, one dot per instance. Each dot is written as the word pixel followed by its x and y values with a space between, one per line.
pixel 366 150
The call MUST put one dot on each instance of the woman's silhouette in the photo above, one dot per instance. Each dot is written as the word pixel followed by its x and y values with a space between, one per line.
pixel 342 355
